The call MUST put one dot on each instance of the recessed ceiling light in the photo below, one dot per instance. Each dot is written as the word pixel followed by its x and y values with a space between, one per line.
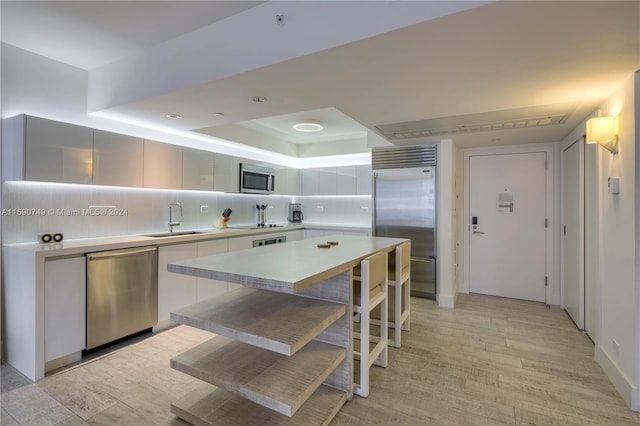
pixel 174 116
pixel 309 126
pixel 259 99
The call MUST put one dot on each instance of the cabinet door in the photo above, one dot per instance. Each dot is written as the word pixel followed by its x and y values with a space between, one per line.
pixel 226 173
pixel 327 181
pixel 117 159
pixel 287 181
pixel 197 169
pixel 346 180
pixel 295 235
pixel 65 307
pixel 363 180
pixel 312 233
pixel 240 243
pixel 58 152
pixel 207 288
pixel 175 290
pixel 162 165
pixel 309 182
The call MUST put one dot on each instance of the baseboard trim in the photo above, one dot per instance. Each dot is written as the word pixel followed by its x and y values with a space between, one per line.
pixel 163 325
pixel 621 382
pixel 446 301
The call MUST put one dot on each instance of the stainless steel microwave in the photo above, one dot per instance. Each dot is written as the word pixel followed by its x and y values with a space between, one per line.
pixel 256 179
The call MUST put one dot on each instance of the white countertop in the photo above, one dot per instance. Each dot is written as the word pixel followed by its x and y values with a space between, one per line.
pixel 86 245
pixel 287 268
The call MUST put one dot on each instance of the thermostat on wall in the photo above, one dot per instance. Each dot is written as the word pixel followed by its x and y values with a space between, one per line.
pixel 614 185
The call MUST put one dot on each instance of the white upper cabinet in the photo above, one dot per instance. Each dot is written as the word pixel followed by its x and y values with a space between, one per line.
pixel 287 181
pixel 197 169
pixel 37 149
pixel 363 180
pixel 162 165
pixel 117 159
pixel 327 181
pixel 309 181
pixel 346 180
pixel 226 173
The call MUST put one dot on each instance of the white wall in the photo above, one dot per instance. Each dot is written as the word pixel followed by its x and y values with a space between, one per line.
pixel 354 210
pixel 613 244
pixel 446 235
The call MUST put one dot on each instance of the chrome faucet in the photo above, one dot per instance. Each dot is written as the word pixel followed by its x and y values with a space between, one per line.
pixel 172 221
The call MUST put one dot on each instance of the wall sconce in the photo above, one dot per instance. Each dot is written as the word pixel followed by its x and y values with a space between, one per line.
pixel 603 130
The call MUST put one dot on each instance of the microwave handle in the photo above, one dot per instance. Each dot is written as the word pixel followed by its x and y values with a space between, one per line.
pixel 272 182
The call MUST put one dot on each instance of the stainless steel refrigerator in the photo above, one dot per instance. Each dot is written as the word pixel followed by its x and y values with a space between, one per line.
pixel 404 192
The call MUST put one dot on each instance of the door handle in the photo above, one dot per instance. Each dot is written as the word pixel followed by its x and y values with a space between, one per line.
pixel 478 232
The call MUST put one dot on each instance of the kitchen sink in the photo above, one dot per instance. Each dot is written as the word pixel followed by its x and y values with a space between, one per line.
pixel 173 234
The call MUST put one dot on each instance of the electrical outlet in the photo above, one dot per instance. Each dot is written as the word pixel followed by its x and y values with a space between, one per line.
pixel 204 209
pixel 364 209
pixel 320 208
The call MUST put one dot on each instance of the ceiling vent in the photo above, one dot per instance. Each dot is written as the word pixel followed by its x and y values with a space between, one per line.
pixel 482 122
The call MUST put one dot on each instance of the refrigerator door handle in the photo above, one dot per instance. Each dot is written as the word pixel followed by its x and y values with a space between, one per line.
pixel 373 198
pixel 420 260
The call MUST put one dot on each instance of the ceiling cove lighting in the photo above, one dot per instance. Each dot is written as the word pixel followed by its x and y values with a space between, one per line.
pixel 309 126
pixel 604 131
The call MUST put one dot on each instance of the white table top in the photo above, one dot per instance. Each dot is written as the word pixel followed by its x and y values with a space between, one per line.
pixel 289 267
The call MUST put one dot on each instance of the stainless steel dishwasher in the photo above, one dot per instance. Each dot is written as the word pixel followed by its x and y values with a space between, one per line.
pixel 122 293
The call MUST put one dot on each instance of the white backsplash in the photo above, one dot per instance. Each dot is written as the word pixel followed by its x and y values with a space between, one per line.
pixel 47 207
pixel 350 210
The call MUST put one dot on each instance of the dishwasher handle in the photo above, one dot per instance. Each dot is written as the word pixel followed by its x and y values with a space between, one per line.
pixel 119 253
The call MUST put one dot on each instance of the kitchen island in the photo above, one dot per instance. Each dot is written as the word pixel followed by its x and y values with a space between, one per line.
pixel 283 352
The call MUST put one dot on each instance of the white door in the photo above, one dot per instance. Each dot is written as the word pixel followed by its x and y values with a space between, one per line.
pixel 573 232
pixel 507 241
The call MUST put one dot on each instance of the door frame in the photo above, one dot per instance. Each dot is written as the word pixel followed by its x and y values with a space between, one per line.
pixel 581 229
pixel 552 292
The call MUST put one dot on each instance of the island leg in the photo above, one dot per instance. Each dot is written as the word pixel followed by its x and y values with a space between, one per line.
pixel 338 289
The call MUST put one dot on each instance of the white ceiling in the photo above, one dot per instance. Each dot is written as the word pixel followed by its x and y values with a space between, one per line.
pixel 357 66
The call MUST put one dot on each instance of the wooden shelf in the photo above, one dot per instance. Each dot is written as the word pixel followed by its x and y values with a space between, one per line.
pixel 272 380
pixel 278 322
pixel 219 407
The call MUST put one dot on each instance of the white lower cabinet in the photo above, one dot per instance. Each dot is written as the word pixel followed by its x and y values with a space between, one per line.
pixel 207 288
pixel 312 233
pixel 241 243
pixel 175 290
pixel 295 235
pixel 65 307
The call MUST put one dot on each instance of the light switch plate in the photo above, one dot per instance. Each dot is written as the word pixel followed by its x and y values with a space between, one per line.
pixel 613 185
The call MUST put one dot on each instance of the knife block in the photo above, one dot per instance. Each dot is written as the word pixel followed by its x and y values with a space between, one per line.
pixel 221 222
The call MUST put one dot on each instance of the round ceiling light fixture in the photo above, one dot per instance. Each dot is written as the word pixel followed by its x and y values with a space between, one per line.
pixel 309 126
pixel 174 116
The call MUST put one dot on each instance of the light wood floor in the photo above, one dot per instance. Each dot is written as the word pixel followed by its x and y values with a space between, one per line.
pixel 491 361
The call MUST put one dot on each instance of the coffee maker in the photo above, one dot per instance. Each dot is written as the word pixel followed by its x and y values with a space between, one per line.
pixel 295 213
